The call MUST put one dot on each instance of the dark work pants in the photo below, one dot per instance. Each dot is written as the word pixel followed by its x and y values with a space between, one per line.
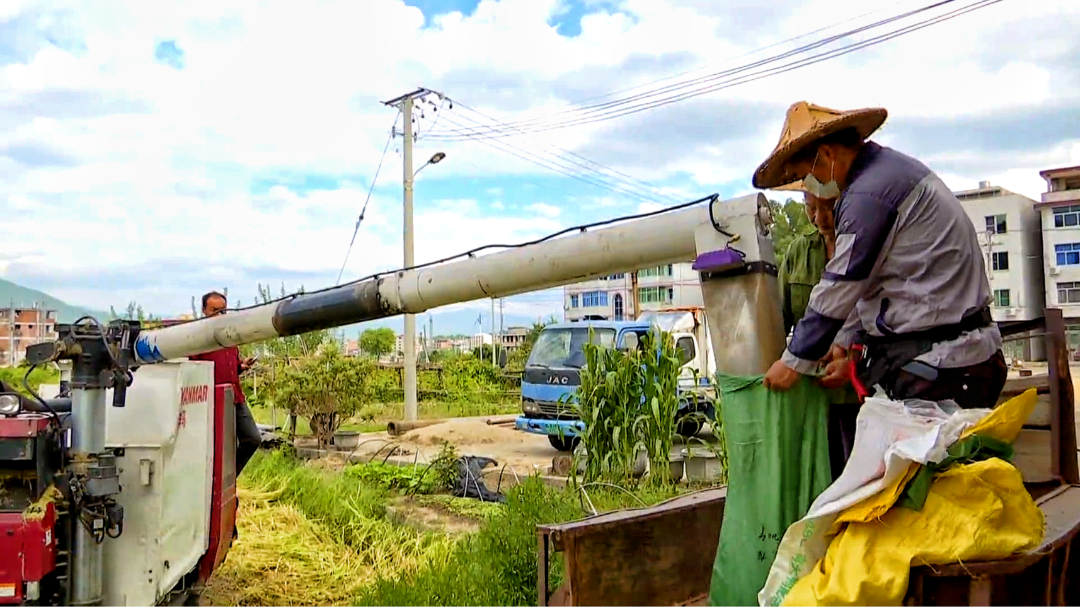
pixel 842 422
pixel 248 437
pixel 975 387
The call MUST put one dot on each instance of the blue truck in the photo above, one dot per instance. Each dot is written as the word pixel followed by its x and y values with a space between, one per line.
pixel 553 371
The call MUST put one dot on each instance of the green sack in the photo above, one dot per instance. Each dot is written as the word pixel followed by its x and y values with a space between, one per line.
pixel 778 463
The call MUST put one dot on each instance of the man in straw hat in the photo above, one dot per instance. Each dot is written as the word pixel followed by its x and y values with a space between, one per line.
pixel 906 293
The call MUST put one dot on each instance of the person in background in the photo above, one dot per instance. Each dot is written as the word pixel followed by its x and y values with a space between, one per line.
pixel 907 283
pixel 800 271
pixel 227 369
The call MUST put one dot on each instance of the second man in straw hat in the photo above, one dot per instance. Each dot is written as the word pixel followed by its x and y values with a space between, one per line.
pixel 907 283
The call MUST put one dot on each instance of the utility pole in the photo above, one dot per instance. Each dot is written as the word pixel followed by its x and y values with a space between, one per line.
pixel 634 298
pixel 493 330
pixel 405 103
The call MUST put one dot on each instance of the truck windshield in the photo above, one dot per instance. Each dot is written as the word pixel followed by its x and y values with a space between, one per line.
pixel 563 347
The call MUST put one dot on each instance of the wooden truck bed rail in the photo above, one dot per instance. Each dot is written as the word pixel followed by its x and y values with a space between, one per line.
pixel 664 555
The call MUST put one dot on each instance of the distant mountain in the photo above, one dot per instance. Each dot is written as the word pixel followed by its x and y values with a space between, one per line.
pixel 12 294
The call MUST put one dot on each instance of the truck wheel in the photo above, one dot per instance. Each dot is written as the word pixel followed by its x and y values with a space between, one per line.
pixel 688 427
pixel 563 443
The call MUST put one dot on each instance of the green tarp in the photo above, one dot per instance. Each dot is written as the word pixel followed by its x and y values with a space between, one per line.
pixel 778 459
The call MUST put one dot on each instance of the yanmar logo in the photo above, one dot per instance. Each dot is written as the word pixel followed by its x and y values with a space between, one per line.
pixel 190 395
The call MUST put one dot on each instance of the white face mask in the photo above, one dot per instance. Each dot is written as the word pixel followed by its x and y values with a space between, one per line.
pixel 827 191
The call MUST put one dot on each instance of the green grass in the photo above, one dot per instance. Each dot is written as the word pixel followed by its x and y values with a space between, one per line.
pixel 404 565
pixel 497 565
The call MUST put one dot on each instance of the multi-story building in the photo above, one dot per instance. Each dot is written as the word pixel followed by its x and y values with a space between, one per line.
pixel 1060 207
pixel 1009 230
pixel 612 297
pixel 22 327
pixel 513 338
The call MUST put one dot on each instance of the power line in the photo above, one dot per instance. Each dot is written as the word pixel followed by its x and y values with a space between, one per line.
pixel 583 114
pixel 368 199
pixel 600 168
pixel 718 81
pixel 729 59
pixel 556 166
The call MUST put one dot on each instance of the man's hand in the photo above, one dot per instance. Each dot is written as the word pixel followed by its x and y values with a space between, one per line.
pixel 246 364
pixel 780 377
pixel 836 374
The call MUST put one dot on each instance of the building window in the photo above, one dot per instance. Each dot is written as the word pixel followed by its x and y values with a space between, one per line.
pixel 1067 217
pixel 573 301
pixel 593 299
pixel 618 307
pixel 615 277
pixel 1001 298
pixel 1000 261
pixel 995 224
pixel 1068 292
pixel 1067 254
pixel 656 294
pixel 667 270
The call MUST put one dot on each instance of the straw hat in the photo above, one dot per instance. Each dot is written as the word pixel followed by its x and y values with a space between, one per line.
pixel 804 124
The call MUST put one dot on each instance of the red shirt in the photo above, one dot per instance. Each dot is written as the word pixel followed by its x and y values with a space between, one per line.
pixel 226 369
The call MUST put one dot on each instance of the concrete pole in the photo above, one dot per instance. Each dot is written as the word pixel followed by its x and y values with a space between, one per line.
pixel 493 331
pixel 410 320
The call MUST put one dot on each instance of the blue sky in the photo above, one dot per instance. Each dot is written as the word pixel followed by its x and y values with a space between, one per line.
pixel 188 146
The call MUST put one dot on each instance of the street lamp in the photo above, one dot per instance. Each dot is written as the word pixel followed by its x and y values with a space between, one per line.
pixel 436 158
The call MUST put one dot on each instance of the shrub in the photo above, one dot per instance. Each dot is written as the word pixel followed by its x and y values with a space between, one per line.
pixel 13 376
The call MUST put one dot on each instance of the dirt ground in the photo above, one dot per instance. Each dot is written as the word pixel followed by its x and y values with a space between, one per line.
pixel 520 452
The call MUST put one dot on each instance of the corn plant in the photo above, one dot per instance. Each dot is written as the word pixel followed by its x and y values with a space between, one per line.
pixel 628 402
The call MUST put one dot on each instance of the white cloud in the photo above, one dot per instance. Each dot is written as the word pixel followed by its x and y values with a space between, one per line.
pixel 112 165
pixel 542 208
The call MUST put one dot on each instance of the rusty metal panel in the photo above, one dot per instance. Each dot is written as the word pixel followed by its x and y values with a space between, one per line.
pixel 650 556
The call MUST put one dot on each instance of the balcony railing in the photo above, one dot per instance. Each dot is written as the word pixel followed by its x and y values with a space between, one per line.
pixel 1062 196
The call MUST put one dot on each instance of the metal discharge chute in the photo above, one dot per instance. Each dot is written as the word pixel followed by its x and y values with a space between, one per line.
pixel 728 241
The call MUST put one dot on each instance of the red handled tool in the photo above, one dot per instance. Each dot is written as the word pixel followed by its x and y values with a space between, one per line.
pixel 855 355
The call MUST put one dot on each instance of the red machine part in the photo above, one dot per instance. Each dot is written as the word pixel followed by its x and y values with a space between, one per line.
pixel 27 550
pixel 28 538
pixel 24 425
pixel 223 494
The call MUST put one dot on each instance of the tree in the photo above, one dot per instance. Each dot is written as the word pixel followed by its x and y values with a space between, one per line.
pixel 378 342
pixel 790 223
pixel 279 355
pixel 135 311
pixel 328 389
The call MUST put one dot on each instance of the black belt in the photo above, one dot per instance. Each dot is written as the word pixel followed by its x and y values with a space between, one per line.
pixel 885 355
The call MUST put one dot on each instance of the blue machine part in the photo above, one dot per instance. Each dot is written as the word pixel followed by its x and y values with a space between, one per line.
pixel 147 350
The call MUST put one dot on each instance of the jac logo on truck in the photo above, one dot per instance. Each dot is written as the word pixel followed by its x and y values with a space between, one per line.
pixel 552 379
